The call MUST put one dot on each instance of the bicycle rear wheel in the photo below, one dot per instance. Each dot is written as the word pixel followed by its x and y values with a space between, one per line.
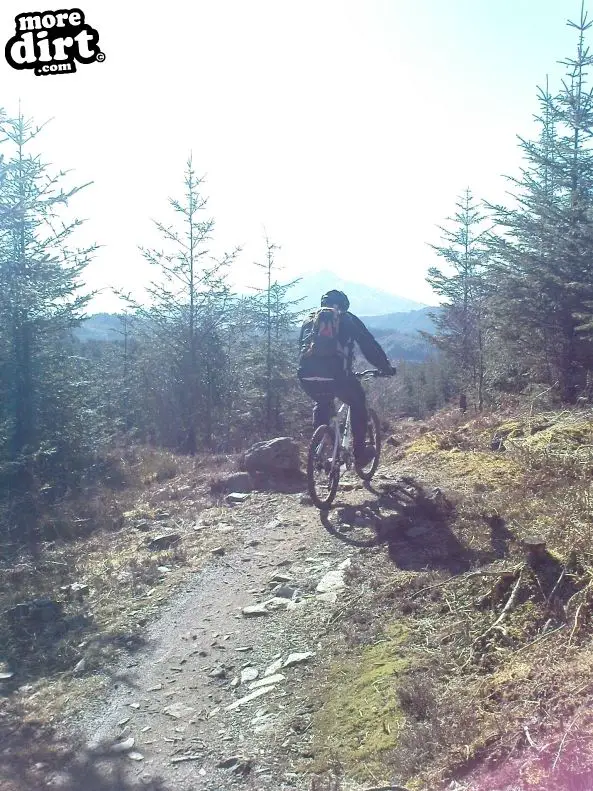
pixel 374 438
pixel 323 475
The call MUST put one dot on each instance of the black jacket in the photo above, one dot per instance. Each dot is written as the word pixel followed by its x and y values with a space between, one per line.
pixel 352 331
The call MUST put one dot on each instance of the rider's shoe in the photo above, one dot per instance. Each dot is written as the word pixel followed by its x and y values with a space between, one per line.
pixel 364 456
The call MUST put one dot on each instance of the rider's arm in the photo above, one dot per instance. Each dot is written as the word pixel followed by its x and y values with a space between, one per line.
pixel 368 345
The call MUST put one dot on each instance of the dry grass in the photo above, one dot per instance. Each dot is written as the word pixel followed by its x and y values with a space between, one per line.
pixel 499 656
pixel 99 538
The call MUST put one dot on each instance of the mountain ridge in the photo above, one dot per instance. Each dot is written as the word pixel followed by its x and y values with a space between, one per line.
pixel 364 299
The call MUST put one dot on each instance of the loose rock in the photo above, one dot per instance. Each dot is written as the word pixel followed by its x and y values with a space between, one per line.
pixel 273 668
pixel 179 711
pixel 264 682
pixel 122 747
pixel 281 454
pixel 249 674
pixel 284 592
pixel 297 658
pixel 164 541
pixel 254 610
pixel 236 497
pixel 252 695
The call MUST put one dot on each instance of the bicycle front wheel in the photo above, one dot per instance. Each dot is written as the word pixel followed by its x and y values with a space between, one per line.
pixel 373 438
pixel 323 472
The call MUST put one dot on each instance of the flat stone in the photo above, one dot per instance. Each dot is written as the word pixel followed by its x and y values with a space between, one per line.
pixel 122 747
pixel 330 597
pixel 252 696
pixel 280 577
pixel 273 668
pixel 80 666
pixel 237 497
pixel 164 541
pixel 178 711
pixel 267 680
pixel 249 674
pixel 254 610
pixel 276 603
pixel 296 658
pixel 331 582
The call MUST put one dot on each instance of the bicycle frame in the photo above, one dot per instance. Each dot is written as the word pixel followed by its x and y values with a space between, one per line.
pixel 341 450
pixel 339 438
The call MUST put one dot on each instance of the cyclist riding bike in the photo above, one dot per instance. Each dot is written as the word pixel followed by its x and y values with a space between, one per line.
pixel 325 370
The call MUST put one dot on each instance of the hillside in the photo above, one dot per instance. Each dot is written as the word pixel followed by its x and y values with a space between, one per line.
pixel 397 332
pixel 432 631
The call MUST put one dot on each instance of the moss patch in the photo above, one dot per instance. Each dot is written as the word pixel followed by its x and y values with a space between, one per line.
pixel 360 717
pixel 427 443
pixel 482 467
pixel 565 435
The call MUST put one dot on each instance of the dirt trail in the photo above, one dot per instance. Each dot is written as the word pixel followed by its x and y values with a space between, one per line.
pixel 173 699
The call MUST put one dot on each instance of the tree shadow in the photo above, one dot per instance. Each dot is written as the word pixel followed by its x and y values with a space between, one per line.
pixel 52 648
pixel 414 525
pixel 33 757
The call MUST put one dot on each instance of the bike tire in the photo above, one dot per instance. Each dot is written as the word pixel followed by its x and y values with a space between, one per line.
pixel 322 502
pixel 375 431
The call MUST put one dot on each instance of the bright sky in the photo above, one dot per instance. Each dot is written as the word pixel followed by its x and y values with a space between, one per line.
pixel 346 128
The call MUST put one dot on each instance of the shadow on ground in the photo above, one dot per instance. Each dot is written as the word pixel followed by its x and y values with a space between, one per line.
pixel 33 758
pixel 413 524
pixel 33 649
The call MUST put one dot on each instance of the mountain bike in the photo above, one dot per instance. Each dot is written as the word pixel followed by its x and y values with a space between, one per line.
pixel 331 450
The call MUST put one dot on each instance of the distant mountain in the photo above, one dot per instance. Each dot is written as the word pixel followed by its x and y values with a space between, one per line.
pixel 408 322
pixel 100 327
pixel 364 300
pixel 399 333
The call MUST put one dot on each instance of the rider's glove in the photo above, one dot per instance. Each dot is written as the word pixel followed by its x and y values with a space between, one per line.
pixel 390 371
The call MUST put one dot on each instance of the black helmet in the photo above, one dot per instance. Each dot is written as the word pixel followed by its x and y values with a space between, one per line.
pixel 334 297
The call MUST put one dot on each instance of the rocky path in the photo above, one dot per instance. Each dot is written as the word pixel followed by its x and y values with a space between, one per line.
pixel 221 697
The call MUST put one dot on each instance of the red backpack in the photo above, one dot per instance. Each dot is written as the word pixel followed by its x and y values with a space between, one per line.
pixel 320 334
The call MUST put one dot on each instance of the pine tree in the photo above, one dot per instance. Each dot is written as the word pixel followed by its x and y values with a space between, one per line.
pixel 543 250
pixel 188 309
pixel 43 402
pixel 275 320
pixel 460 322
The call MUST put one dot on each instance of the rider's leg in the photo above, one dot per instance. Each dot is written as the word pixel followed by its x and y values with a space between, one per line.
pixel 323 395
pixel 351 391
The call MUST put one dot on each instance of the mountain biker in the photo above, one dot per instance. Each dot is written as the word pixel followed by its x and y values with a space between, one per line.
pixel 326 377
